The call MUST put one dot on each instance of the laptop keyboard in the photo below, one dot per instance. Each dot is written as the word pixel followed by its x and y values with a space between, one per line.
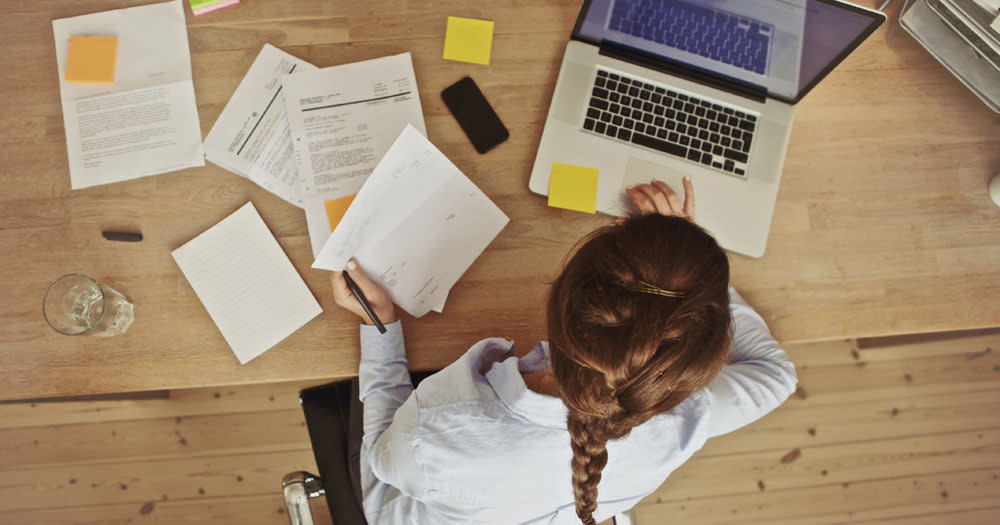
pixel 728 38
pixel 670 121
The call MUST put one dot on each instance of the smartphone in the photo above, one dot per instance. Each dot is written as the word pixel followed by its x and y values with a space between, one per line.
pixel 474 114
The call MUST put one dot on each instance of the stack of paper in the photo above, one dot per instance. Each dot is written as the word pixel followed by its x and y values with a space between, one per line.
pixel 145 121
pixel 247 284
pixel 416 226
pixel 312 136
pixel 251 136
pixel 342 120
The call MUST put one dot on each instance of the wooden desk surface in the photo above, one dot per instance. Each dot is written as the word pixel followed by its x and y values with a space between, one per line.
pixel 883 223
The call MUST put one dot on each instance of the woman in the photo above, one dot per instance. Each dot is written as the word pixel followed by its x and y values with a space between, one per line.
pixel 650 353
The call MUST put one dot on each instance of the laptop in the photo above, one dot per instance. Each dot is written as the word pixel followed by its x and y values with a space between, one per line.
pixel 660 89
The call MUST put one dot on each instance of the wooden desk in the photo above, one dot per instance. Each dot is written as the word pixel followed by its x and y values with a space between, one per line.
pixel 883 223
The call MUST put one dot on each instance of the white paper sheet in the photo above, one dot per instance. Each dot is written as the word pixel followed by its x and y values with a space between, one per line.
pixel 992 6
pixel 251 136
pixel 147 121
pixel 342 120
pixel 246 282
pixel 416 226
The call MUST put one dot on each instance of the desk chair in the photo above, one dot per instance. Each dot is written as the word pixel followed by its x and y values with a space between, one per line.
pixel 336 443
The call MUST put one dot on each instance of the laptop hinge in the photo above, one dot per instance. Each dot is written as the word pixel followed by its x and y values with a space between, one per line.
pixel 673 67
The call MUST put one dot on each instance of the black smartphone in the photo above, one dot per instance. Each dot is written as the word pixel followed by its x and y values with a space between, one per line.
pixel 477 118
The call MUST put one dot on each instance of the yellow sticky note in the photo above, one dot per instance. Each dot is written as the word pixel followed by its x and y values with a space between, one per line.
pixel 91 59
pixel 573 187
pixel 468 40
pixel 336 209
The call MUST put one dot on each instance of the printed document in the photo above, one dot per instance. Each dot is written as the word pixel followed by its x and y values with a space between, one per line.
pixel 251 136
pixel 342 120
pixel 246 282
pixel 416 226
pixel 146 122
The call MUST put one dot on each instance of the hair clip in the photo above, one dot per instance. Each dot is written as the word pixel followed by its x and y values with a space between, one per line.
pixel 655 290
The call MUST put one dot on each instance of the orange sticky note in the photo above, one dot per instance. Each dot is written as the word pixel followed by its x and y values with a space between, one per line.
pixel 468 40
pixel 573 187
pixel 336 209
pixel 91 59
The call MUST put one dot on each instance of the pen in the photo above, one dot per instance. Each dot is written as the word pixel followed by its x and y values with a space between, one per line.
pixel 353 287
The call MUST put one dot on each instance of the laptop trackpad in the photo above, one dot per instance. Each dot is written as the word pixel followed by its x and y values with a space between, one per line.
pixel 639 171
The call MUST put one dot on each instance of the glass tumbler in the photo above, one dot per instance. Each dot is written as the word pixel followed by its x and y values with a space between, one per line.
pixel 77 305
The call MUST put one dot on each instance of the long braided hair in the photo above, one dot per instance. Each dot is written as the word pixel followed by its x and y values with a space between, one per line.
pixel 622 351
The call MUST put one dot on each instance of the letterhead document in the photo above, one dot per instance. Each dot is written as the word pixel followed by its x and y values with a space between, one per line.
pixel 342 120
pixel 246 282
pixel 146 122
pixel 251 137
pixel 416 226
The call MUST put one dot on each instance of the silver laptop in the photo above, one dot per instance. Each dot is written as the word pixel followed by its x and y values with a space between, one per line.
pixel 705 88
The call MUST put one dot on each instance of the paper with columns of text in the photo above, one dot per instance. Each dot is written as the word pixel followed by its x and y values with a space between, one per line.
pixel 251 136
pixel 146 122
pixel 342 120
pixel 416 226
pixel 246 282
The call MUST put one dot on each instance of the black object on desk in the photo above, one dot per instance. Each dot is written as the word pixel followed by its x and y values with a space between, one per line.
pixel 474 114
pixel 353 287
pixel 122 236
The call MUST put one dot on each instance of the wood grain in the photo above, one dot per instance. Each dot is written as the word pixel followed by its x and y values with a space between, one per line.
pixel 882 226
pixel 879 450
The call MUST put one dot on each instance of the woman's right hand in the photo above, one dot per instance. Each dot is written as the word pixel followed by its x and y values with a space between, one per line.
pixel 377 297
pixel 658 197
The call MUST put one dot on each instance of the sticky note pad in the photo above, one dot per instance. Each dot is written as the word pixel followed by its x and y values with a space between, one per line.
pixel 336 209
pixel 468 40
pixel 91 59
pixel 200 7
pixel 573 187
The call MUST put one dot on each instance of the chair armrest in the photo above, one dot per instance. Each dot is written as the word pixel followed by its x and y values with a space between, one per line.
pixel 298 488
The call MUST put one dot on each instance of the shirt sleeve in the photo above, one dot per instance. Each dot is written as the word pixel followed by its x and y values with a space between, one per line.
pixel 758 378
pixel 389 471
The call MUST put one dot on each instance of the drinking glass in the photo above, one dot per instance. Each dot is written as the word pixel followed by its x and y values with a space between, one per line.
pixel 77 305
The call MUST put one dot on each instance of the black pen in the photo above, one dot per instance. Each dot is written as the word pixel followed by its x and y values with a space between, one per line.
pixel 353 287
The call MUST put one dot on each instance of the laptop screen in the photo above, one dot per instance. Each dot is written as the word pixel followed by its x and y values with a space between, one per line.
pixel 783 46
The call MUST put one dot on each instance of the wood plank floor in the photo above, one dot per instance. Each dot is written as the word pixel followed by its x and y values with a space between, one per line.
pixel 889 431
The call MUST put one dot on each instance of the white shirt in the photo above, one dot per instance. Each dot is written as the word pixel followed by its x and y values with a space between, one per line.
pixel 471 447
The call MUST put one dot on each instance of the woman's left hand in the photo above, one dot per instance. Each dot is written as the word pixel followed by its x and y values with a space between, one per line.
pixel 659 197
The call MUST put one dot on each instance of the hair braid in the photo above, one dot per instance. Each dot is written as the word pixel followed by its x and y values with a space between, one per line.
pixel 622 356
pixel 590 455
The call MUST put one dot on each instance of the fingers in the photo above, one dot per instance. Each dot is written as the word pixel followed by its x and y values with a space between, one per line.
pixel 341 292
pixel 659 197
pixel 673 201
pixel 689 198
pixel 361 279
pixel 375 295
pixel 640 200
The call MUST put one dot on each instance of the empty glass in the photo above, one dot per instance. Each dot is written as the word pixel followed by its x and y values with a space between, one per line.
pixel 78 305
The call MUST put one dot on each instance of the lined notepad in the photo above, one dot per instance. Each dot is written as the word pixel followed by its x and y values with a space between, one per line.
pixel 247 284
